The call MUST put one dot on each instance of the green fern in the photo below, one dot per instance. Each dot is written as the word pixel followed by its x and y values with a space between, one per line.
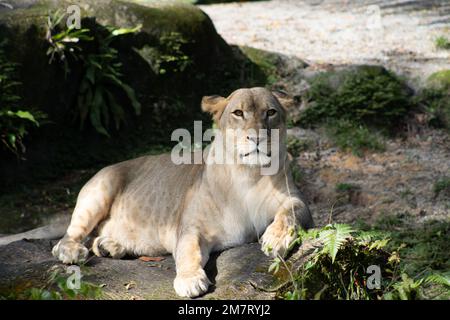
pixel 333 237
pixel 365 237
pixel 406 289
pixel 442 279
pixel 329 275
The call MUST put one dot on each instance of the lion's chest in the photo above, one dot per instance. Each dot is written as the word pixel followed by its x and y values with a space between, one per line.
pixel 243 223
pixel 238 229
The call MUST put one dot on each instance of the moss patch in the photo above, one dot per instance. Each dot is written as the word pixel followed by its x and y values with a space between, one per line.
pixel 435 97
pixel 439 80
pixel 267 61
pixel 442 42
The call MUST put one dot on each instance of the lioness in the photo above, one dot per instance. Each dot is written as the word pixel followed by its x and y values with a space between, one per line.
pixel 150 206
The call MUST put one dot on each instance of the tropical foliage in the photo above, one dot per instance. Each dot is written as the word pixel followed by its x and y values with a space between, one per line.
pixel 15 118
pixel 340 267
pixel 102 74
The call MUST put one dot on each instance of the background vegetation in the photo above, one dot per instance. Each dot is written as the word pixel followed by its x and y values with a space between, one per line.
pixel 108 93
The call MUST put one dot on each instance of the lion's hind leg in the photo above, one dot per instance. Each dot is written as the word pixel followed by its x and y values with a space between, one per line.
pixel 93 205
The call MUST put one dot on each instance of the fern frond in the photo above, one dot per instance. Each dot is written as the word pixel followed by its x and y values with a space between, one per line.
pixel 364 237
pixel 378 244
pixel 439 278
pixel 333 237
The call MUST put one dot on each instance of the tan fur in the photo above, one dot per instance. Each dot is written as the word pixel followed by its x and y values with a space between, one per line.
pixel 150 206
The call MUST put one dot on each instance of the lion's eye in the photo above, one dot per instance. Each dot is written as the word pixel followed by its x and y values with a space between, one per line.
pixel 271 112
pixel 238 113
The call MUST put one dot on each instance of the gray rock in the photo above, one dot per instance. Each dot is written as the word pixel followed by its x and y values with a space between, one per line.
pixel 53 230
pixel 237 273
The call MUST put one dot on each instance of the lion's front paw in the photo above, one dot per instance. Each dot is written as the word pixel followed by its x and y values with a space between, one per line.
pixel 191 285
pixel 276 240
pixel 69 251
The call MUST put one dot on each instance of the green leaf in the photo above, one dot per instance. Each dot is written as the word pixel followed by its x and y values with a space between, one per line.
pixel 132 96
pixel 105 112
pixel 12 140
pixel 84 101
pixel 333 237
pixel 378 244
pixel 95 114
pixel 122 31
pixel 275 266
pixel 439 278
pixel 117 110
pixel 90 75
pixel 26 115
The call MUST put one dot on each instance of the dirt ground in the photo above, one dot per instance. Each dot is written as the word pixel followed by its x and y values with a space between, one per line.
pixel 397 181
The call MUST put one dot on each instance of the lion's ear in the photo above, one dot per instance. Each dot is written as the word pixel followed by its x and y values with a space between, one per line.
pixel 284 98
pixel 214 105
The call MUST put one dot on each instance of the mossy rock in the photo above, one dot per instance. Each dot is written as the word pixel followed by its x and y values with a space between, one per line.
pixel 439 80
pixel 169 100
pixel 267 61
pixel 436 99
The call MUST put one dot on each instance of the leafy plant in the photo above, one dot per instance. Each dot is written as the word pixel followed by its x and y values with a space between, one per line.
pixel 333 237
pixel 63 42
pixel 296 146
pixel 169 56
pixel 346 187
pixel 102 74
pixel 410 289
pixel 355 138
pixel 297 173
pixel 406 289
pixel 15 119
pixel 368 96
pixel 442 186
pixel 434 100
pixel 357 107
pixel 439 278
pixel 425 247
pixel 437 105
pixel 442 42
pixel 338 268
pixel 101 78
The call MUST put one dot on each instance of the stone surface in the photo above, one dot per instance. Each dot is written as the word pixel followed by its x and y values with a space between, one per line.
pixel 237 273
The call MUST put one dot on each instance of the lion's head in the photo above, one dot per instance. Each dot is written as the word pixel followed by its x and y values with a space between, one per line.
pixel 252 123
